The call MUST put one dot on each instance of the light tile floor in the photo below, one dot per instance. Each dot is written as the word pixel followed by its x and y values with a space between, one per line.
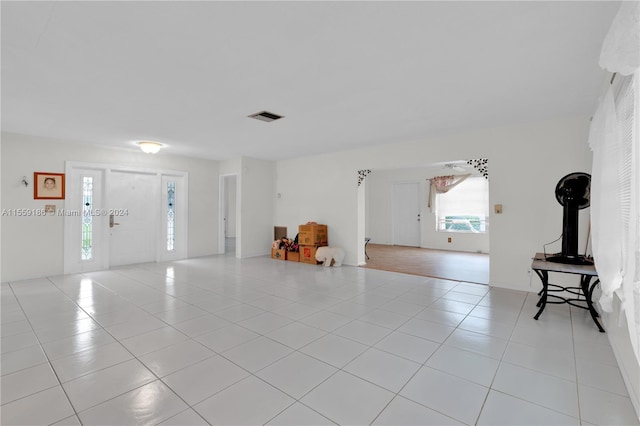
pixel 258 341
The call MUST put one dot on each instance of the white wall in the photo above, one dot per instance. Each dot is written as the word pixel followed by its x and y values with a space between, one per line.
pixel 257 198
pixel 1 207
pixel 33 246
pixel 320 189
pixel 230 167
pixel 525 163
pixel 379 190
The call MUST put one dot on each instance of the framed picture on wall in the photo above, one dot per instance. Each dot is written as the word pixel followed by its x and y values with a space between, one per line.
pixel 48 186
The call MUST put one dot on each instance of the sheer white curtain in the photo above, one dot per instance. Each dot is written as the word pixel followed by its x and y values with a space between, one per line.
pixel 615 186
pixel 605 198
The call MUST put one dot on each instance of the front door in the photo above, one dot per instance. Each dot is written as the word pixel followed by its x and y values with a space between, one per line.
pixel 116 215
pixel 134 207
pixel 406 214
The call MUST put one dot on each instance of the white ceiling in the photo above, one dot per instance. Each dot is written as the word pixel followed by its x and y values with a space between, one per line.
pixel 344 74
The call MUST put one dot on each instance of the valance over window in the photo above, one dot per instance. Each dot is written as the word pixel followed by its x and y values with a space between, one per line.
pixel 442 184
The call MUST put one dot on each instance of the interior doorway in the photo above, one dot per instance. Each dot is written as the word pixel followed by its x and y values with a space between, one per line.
pixel 229 238
pixel 380 216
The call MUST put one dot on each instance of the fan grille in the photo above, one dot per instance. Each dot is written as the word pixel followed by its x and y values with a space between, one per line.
pixel 574 188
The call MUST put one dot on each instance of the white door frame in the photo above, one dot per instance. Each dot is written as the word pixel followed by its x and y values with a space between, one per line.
pixel 72 264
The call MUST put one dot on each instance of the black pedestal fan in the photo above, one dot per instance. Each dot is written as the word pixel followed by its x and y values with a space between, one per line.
pixel 573 192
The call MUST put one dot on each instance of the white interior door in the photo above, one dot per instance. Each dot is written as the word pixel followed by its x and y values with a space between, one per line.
pixel 406 214
pixel 134 211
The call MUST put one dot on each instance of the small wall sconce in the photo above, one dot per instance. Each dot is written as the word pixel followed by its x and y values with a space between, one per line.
pixel 149 147
pixel 24 181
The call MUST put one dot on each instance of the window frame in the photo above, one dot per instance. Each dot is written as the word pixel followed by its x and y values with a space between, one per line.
pixel 441 220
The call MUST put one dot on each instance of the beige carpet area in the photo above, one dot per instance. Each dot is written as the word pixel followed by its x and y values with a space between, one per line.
pixel 445 264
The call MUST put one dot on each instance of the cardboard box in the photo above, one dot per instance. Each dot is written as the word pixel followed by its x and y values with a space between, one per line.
pixel 293 256
pixel 279 232
pixel 280 254
pixel 313 235
pixel 308 254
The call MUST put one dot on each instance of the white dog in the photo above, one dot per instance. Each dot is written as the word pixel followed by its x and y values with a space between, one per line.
pixel 330 256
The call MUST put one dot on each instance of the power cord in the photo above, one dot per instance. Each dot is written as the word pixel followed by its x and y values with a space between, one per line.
pixel 544 246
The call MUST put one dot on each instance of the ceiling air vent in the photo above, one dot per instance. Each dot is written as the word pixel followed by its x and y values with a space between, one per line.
pixel 266 116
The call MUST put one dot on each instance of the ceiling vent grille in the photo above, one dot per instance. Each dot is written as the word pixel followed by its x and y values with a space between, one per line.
pixel 266 116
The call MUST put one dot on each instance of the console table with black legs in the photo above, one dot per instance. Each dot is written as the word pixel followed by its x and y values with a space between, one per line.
pixel 542 268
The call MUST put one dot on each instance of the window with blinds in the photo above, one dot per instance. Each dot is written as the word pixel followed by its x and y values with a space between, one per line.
pixel 625 109
pixel 465 208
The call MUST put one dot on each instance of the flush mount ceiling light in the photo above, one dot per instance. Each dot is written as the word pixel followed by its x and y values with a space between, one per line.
pixel 149 147
pixel 266 116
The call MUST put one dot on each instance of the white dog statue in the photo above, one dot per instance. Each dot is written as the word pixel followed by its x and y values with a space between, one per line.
pixel 330 256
